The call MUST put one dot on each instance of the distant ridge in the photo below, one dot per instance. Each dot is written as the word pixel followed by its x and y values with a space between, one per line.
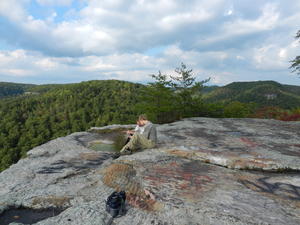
pixel 263 93
pixel 8 89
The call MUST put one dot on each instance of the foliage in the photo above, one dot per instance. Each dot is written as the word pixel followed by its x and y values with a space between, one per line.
pixel 158 100
pixel 12 89
pixel 263 93
pixel 238 110
pixel 296 62
pixel 166 100
pixel 277 113
pixel 119 141
pixel 188 91
pixel 215 110
pixel 29 121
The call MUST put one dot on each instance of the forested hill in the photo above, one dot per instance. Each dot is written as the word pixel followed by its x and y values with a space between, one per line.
pixel 30 120
pixel 8 89
pixel 264 93
pixel 34 114
pixel 11 89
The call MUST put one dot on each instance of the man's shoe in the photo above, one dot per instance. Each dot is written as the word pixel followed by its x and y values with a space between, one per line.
pixel 116 155
pixel 125 151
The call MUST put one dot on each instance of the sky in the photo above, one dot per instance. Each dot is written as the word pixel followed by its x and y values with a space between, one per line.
pixel 68 41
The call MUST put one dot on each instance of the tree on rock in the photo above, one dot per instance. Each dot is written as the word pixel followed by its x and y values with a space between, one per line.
pixel 188 91
pixel 158 100
pixel 170 98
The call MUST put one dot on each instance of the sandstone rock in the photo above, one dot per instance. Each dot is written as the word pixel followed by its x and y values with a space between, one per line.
pixel 191 178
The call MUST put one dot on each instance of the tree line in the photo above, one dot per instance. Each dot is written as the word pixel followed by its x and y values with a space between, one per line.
pixel 29 121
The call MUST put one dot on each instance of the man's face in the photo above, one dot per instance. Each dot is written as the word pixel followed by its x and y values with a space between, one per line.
pixel 141 122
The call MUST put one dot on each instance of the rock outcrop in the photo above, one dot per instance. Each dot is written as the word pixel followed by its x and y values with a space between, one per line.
pixel 203 171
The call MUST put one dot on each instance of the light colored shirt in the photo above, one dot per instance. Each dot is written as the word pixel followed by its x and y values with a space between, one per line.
pixel 141 129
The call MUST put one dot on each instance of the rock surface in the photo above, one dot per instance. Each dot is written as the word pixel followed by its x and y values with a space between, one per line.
pixel 204 171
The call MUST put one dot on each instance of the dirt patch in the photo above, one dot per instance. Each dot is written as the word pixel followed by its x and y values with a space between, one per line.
pixel 184 154
pixel 89 156
pixel 53 201
pixel 122 177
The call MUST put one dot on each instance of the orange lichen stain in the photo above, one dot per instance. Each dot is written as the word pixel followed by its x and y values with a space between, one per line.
pixel 89 155
pixel 181 153
pixel 173 164
pixel 144 202
pixel 254 163
pixel 122 177
pixel 185 180
pixel 248 142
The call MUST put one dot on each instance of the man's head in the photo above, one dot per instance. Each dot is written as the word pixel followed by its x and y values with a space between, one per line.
pixel 142 120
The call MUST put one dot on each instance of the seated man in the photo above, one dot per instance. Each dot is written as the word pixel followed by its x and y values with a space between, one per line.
pixel 144 136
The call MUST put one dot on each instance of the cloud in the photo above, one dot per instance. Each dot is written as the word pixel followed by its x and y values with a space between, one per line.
pixel 13 10
pixel 106 26
pixel 227 40
pixel 274 57
pixel 55 2
pixel 266 21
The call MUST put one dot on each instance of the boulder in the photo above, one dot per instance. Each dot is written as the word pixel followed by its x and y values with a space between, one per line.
pixel 203 171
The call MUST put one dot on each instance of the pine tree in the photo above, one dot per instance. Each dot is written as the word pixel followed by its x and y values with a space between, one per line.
pixel 158 100
pixel 188 91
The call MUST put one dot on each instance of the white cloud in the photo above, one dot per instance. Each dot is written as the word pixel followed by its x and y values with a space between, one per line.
pixel 46 63
pixel 107 26
pixel 173 21
pixel 223 78
pixel 17 72
pixel 54 2
pixel 13 9
pixel 111 38
pixel 273 57
pixel 268 20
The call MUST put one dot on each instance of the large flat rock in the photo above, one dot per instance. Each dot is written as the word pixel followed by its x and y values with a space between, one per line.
pixel 236 143
pixel 192 178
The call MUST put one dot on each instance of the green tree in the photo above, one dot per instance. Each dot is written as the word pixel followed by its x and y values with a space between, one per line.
pixel 188 91
pixel 158 100
pixel 238 110
pixel 296 62
pixel 31 120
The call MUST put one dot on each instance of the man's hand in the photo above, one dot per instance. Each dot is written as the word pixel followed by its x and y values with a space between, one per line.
pixel 130 132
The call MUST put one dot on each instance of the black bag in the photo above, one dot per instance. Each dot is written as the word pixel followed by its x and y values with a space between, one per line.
pixel 115 204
